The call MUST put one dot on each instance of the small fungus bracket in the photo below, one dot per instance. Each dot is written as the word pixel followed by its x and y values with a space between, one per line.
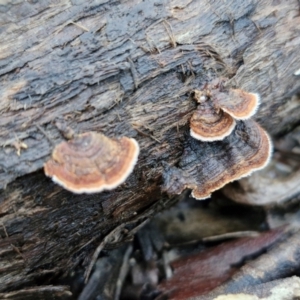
pixel 209 124
pixel 239 104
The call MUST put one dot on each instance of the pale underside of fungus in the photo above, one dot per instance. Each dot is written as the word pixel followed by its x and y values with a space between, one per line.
pixel 92 162
pixel 206 167
pixel 215 116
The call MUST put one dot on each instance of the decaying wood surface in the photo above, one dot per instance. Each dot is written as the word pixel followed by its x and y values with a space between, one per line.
pixel 121 68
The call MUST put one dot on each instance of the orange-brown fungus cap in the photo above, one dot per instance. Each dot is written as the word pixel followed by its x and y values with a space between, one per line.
pixel 238 103
pixel 92 162
pixel 208 123
pixel 206 167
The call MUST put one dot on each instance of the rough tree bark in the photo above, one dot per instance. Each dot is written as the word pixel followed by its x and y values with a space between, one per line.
pixel 121 68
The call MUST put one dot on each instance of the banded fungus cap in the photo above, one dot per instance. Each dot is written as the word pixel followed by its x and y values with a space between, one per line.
pixel 92 162
pixel 239 104
pixel 207 167
pixel 208 123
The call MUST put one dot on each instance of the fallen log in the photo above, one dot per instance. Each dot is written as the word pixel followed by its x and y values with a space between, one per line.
pixel 123 69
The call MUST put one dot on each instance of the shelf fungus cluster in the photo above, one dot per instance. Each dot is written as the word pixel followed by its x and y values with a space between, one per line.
pixel 217 112
pixel 224 144
pixel 92 162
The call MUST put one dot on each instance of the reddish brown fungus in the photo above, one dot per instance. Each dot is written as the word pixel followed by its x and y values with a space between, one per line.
pixel 209 124
pixel 92 162
pixel 239 104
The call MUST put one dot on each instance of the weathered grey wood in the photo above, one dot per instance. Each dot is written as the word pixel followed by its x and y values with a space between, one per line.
pixel 40 293
pixel 121 68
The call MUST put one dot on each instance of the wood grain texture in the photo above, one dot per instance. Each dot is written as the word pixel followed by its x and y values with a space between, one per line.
pixel 121 68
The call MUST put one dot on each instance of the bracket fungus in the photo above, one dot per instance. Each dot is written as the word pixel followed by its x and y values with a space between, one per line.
pixel 239 104
pixel 92 162
pixel 208 123
pixel 206 167
pixel 218 108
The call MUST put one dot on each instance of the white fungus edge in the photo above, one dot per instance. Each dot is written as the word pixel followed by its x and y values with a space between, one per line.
pixel 252 112
pixel 104 187
pixel 215 138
